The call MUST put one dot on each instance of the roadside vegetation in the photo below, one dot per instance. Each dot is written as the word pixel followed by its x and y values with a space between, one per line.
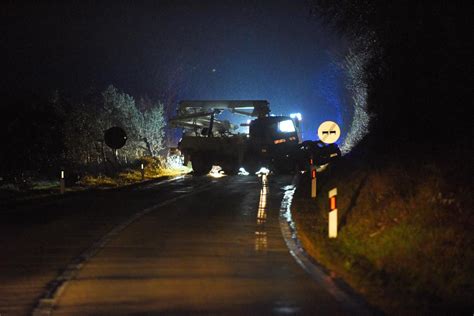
pixel 44 136
pixel 405 184
pixel 405 237
pixel 154 167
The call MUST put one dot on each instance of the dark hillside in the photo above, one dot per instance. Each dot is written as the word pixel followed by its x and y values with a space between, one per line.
pixel 405 202
pixel 418 72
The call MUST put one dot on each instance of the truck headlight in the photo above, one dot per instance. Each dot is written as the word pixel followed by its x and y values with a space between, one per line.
pixel 286 126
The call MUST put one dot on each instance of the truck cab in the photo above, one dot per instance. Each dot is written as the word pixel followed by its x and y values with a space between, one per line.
pixel 273 141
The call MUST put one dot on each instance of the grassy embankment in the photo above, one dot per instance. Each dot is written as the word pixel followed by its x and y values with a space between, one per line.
pixel 154 168
pixel 405 236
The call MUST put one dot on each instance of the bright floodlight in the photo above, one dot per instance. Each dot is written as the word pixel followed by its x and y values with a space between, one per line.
pixel 243 172
pixel 286 126
pixel 262 170
pixel 297 116
pixel 216 172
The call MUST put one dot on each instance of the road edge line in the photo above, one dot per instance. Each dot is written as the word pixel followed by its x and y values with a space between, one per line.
pixel 46 303
pixel 350 302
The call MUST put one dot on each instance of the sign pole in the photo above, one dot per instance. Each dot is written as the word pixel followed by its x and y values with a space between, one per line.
pixel 62 183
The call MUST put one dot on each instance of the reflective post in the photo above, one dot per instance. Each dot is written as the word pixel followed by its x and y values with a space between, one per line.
pixel 62 183
pixel 313 178
pixel 332 228
pixel 142 170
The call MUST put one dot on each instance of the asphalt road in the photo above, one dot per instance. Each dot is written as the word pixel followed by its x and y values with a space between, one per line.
pixel 191 246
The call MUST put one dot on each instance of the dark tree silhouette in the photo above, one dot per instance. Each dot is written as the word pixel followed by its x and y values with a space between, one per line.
pixel 417 73
pixel 32 128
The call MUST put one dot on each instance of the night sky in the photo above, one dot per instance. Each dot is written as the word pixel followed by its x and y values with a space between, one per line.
pixel 175 50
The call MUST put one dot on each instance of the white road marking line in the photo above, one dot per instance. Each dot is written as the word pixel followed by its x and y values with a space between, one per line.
pixel 47 302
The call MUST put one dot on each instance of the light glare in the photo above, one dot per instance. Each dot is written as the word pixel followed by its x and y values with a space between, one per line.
pixel 286 126
pixel 297 116
pixel 243 172
pixel 216 172
pixel 263 171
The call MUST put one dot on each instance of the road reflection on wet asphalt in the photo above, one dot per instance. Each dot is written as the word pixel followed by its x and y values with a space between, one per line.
pixel 260 232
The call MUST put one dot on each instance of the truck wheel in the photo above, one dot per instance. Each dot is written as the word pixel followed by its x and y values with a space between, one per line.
pixel 201 165
pixel 231 169
pixel 251 168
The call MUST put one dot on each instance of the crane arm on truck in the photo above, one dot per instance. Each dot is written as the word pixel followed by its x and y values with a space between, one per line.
pixel 256 108
pixel 199 117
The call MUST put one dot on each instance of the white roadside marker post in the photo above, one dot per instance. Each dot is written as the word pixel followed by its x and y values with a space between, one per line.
pixel 142 170
pixel 332 228
pixel 62 183
pixel 312 170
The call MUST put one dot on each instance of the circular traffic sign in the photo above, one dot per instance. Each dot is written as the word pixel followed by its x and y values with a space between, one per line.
pixel 115 137
pixel 329 132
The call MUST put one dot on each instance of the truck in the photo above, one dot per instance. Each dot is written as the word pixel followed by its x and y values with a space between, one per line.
pixel 273 142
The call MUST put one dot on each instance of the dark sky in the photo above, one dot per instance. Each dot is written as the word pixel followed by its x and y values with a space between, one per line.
pixel 268 50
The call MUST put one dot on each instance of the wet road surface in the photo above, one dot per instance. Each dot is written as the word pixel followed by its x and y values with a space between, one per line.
pixel 203 246
pixel 39 238
pixel 216 252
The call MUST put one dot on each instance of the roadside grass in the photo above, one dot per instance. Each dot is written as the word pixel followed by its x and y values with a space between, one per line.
pixel 405 237
pixel 129 176
pixel 154 167
pixel 35 189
